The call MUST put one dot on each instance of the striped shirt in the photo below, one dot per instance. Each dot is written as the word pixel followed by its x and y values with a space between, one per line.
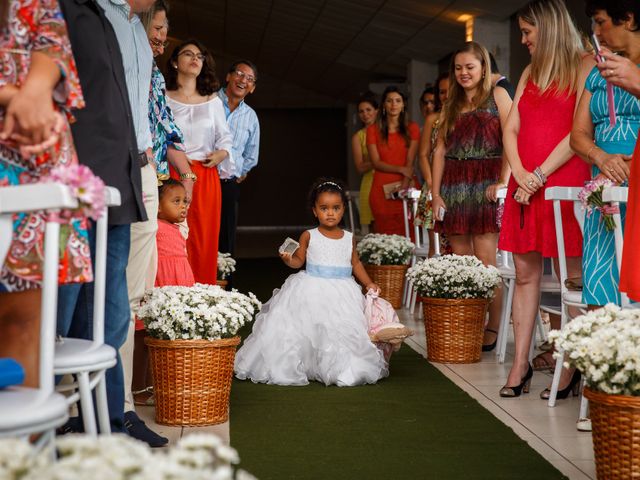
pixel 245 128
pixel 138 63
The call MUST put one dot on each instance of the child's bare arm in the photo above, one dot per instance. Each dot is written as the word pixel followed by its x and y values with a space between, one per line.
pixel 297 259
pixel 359 272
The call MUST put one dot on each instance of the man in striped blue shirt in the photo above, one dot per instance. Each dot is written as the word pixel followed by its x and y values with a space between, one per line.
pixel 137 59
pixel 243 122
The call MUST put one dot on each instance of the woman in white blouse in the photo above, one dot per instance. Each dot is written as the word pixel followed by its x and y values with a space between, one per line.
pixel 191 86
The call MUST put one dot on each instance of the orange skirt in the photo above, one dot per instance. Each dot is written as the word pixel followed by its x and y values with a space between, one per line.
pixel 203 219
pixel 630 274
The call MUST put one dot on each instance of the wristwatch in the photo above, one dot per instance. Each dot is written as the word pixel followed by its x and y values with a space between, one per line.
pixel 188 176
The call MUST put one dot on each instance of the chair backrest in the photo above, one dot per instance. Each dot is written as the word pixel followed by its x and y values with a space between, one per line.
pixel 617 195
pixel 49 197
pixel 352 199
pixel 112 199
pixel 558 195
pixel 410 197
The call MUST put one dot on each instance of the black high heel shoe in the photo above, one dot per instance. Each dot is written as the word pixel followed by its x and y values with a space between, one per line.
pixel 490 346
pixel 510 392
pixel 573 387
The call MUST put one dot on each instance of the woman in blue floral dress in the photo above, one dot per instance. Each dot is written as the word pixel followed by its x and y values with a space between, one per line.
pixel 609 151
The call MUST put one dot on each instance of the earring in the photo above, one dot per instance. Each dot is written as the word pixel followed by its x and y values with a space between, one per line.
pixel 175 66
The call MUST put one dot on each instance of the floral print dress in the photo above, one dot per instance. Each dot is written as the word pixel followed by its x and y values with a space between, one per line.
pixel 38 26
pixel 164 130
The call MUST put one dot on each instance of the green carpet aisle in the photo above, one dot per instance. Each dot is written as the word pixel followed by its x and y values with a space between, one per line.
pixel 413 424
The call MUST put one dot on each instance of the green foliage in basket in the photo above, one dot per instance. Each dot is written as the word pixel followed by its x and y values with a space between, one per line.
pixel 381 249
pixel 454 276
pixel 604 345
pixel 201 312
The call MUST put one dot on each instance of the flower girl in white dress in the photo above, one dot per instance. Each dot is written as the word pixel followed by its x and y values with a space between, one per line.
pixel 314 327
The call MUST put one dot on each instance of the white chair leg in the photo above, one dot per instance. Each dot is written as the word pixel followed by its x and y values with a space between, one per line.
pixel 86 402
pixel 503 331
pixel 558 371
pixel 556 379
pixel 584 407
pixel 414 298
pixel 542 334
pixel 102 405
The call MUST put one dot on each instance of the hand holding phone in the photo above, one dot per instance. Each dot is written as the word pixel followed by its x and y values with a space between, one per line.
pixel 441 212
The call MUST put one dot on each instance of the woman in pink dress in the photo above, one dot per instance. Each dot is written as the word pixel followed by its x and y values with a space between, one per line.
pixel 536 142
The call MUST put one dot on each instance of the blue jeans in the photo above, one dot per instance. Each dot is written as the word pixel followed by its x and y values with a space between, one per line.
pixel 75 313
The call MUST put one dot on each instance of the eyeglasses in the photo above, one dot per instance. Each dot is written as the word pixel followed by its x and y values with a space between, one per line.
pixel 248 78
pixel 193 55
pixel 158 43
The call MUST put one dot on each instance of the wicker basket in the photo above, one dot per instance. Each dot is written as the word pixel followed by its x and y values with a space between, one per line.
pixel 616 434
pixel 390 279
pixel 222 284
pixel 192 380
pixel 454 328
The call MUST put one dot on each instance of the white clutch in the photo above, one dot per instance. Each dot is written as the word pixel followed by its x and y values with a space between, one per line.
pixel 289 246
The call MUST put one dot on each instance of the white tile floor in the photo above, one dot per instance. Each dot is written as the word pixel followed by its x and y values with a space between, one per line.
pixel 550 431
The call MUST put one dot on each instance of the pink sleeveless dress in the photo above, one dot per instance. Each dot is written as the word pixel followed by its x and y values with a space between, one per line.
pixel 173 264
pixel 545 119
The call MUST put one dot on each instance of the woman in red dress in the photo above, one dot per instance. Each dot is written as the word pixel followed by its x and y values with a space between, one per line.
pixel 625 74
pixel 392 143
pixel 536 142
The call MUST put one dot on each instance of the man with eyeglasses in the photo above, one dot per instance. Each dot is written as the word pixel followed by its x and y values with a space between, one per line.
pixel 243 122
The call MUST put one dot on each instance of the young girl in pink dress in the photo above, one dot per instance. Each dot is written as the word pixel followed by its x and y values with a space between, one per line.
pixel 173 264
pixel 173 269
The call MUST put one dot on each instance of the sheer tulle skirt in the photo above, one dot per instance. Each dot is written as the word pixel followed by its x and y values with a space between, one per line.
pixel 312 329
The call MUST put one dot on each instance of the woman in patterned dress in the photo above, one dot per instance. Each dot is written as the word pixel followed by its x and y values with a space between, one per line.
pixel 38 80
pixel 608 149
pixel 468 160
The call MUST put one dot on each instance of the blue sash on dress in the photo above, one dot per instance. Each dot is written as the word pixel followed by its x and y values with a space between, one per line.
pixel 327 271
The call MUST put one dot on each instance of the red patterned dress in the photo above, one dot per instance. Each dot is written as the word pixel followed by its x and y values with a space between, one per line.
pixel 38 26
pixel 545 119
pixel 473 158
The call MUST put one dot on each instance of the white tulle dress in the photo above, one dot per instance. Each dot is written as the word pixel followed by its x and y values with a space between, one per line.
pixel 314 327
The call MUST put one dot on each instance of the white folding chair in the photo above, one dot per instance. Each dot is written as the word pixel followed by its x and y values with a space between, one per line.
pixel 353 198
pixel 25 411
pixel 569 298
pixel 508 273
pixel 410 198
pixel 88 360
pixel 617 195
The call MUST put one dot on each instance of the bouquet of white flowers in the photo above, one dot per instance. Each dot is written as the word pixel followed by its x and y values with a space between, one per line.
pixel 380 249
pixel 119 457
pixel 201 312
pixel 454 276
pixel 226 265
pixel 604 345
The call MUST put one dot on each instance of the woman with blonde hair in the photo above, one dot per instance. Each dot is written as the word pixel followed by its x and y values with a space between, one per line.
pixel 536 142
pixel 468 160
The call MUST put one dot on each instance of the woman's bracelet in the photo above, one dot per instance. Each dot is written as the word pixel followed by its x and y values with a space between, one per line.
pixel 589 154
pixel 541 176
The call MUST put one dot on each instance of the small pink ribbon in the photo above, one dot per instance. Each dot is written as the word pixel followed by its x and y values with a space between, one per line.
pixel 610 209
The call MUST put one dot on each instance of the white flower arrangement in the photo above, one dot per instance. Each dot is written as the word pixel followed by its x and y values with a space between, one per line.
pixel 381 249
pixel 226 265
pixel 120 457
pixel 201 312
pixel 454 276
pixel 604 345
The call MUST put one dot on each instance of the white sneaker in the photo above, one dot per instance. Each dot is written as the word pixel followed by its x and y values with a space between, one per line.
pixel 584 425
